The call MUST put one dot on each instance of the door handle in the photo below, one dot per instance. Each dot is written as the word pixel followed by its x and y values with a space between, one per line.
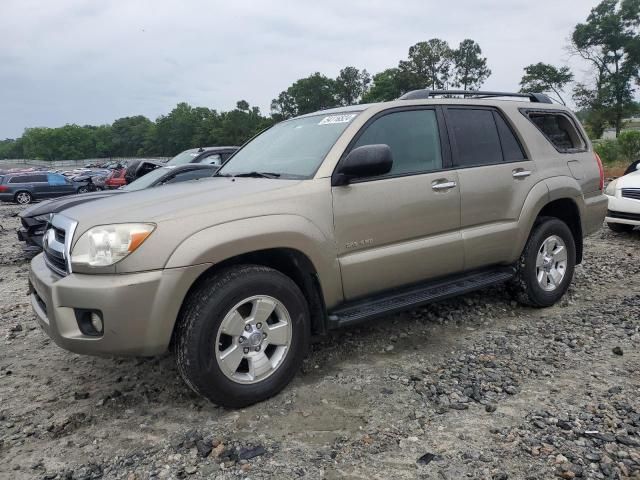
pixel 521 173
pixel 439 185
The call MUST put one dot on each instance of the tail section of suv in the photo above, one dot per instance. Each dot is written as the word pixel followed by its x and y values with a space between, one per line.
pixel 325 220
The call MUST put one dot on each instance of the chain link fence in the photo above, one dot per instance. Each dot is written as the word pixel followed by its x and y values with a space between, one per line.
pixel 56 164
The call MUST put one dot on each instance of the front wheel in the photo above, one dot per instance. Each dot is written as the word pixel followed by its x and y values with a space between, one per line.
pixel 83 190
pixel 242 335
pixel 620 227
pixel 546 265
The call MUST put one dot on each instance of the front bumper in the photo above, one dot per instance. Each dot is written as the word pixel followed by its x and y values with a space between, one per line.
pixel 623 210
pixel 32 237
pixel 139 310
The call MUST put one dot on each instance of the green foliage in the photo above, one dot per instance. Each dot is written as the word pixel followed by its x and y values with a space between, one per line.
pixel 428 65
pixel 545 78
pixel 351 85
pixel 629 145
pixel 387 85
pixel 469 68
pixel 610 41
pixel 315 92
pixel 607 150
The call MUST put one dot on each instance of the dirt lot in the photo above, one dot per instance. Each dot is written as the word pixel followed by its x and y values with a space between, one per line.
pixel 477 387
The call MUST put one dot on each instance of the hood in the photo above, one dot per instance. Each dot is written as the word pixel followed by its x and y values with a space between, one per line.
pixel 58 204
pixel 631 180
pixel 177 201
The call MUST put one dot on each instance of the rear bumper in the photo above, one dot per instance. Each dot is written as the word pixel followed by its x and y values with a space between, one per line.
pixel 139 310
pixel 7 197
pixel 593 213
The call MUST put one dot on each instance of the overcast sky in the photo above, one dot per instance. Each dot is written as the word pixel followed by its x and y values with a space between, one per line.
pixel 92 61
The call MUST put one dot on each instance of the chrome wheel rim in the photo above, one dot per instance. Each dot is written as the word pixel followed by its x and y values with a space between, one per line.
pixel 253 339
pixel 551 263
pixel 23 198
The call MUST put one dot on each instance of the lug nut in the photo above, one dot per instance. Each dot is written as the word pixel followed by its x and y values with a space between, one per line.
pixel 247 328
pixel 246 350
pixel 257 349
pixel 264 334
pixel 258 325
pixel 241 339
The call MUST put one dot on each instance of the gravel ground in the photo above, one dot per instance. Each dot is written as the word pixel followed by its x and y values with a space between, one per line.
pixel 477 387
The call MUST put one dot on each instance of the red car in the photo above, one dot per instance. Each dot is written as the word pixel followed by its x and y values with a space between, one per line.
pixel 115 179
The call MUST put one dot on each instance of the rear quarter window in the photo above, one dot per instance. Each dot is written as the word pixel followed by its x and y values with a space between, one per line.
pixel 559 129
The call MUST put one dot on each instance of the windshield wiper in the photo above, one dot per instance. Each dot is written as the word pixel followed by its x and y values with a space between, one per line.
pixel 257 175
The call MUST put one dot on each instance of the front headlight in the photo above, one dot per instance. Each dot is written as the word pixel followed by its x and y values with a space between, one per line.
pixel 105 245
pixel 611 188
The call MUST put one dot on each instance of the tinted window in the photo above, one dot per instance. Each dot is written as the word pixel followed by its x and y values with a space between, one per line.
pixel 22 179
pixel 559 130
pixel 511 149
pixel 55 179
pixel 413 138
pixel 475 136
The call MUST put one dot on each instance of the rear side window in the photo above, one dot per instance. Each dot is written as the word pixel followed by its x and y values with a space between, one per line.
pixel 511 149
pixel 413 137
pixel 559 130
pixel 475 137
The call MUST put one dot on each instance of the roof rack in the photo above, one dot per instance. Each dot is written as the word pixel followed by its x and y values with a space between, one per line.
pixel 426 94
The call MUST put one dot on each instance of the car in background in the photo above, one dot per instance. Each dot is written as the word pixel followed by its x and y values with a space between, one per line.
pixel 115 179
pixel 211 155
pixel 35 218
pixel 23 188
pixel 623 213
pixel 139 168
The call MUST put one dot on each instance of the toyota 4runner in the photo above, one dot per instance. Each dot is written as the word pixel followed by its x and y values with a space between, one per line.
pixel 324 221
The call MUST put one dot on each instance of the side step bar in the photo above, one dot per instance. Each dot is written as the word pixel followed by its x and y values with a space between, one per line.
pixel 406 298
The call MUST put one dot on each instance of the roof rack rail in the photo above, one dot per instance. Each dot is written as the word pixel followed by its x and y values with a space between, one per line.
pixel 425 94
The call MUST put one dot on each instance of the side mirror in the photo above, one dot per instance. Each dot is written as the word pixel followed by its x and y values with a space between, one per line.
pixel 362 162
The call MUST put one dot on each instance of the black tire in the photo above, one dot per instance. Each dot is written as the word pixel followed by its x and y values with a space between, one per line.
pixel 620 227
pixel 201 316
pixel 525 285
pixel 19 196
pixel 83 190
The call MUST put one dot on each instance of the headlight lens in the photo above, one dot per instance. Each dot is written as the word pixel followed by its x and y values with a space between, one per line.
pixel 611 189
pixel 105 245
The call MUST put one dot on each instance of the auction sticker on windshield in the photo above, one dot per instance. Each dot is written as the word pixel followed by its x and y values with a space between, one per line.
pixel 331 119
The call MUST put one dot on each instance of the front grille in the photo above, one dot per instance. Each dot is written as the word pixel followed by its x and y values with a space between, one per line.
pixel 633 193
pixel 55 260
pixel 60 234
pixel 623 215
pixel 53 245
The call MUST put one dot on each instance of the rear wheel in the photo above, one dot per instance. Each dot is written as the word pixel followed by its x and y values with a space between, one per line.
pixel 546 265
pixel 620 227
pixel 23 198
pixel 242 335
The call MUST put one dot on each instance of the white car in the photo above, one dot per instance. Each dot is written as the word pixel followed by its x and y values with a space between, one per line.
pixel 623 214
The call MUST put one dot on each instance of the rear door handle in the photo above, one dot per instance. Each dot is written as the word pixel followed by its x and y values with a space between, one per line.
pixel 521 173
pixel 440 185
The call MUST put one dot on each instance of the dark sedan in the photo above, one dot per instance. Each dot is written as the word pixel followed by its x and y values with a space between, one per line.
pixel 34 219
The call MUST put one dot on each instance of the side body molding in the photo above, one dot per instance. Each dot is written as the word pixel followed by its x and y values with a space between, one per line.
pixel 223 241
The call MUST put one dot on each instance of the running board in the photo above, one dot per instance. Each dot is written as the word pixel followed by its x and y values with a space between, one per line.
pixel 403 299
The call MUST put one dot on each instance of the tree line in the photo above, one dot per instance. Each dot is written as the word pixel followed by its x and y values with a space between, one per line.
pixel 608 41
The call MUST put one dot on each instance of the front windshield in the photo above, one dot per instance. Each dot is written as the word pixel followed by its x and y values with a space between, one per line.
pixel 146 180
pixel 184 157
pixel 291 149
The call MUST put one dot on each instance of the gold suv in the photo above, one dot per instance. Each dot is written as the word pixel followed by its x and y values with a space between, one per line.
pixel 322 221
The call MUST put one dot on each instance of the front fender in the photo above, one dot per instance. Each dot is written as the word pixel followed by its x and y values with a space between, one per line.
pixel 227 240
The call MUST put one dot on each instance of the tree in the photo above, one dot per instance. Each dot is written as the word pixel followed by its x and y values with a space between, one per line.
pixel 129 135
pixel 469 67
pixel 610 41
pixel 387 85
pixel 545 78
pixel 428 65
pixel 315 92
pixel 629 145
pixel 351 85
